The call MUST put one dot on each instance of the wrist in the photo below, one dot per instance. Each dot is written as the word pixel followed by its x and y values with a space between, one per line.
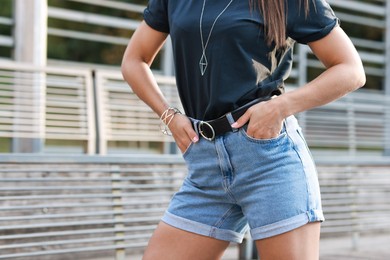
pixel 282 105
pixel 166 118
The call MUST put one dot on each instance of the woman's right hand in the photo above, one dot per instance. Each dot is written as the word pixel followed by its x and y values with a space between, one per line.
pixel 183 132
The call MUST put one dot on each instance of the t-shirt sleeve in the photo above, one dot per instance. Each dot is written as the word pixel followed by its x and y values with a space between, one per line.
pixel 316 24
pixel 156 15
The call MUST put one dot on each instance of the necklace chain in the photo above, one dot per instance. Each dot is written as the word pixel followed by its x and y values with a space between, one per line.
pixel 203 59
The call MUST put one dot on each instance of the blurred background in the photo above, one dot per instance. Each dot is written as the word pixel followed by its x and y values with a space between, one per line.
pixel 85 172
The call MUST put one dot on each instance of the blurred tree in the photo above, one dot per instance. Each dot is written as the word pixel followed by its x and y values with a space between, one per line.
pixel 90 51
pixel 71 49
pixel 366 32
pixel 6 30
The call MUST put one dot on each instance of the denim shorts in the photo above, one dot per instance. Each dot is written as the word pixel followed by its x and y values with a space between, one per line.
pixel 236 182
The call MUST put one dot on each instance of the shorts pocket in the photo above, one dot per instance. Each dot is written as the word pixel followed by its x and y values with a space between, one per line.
pixel 188 149
pixel 281 135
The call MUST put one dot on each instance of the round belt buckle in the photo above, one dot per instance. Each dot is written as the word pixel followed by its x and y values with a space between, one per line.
pixel 201 129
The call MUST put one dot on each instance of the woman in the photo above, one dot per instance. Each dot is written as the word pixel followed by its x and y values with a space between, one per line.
pixel 249 166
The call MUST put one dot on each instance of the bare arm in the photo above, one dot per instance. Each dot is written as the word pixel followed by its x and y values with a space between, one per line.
pixel 344 73
pixel 139 55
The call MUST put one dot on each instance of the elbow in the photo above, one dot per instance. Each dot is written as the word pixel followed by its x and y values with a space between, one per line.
pixel 357 76
pixel 124 68
pixel 131 66
pixel 360 77
pixel 127 69
pixel 363 79
pixel 127 64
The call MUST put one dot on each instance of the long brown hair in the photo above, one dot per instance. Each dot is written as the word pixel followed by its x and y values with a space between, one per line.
pixel 274 14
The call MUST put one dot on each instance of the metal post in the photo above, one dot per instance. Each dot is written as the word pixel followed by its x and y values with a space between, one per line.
pixel 352 140
pixel 247 249
pixel 31 47
pixel 352 172
pixel 167 62
pixel 302 79
pixel 120 252
pixel 387 80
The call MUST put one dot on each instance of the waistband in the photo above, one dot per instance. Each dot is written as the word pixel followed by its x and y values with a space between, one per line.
pixel 212 128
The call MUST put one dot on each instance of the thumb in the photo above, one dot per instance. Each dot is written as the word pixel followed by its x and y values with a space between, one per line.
pixel 242 120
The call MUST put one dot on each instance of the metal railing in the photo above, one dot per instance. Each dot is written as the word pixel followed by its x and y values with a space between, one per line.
pixel 359 122
pixel 355 123
pixel 355 196
pixel 370 14
pixel 98 107
pixel 95 205
pixel 46 103
pixel 95 19
pixel 122 116
pixel 108 206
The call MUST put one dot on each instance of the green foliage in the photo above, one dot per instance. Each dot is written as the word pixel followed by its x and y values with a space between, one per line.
pixel 5 145
pixel 6 8
pixel 71 49
pixel 92 51
pixel 365 32
pixel 5 11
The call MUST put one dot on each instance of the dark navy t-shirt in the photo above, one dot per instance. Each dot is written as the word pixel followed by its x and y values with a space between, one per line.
pixel 241 67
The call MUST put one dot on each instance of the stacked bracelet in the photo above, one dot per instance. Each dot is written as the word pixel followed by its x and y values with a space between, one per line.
pixel 166 118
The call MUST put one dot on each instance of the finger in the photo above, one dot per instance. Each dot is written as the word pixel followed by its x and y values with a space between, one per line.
pixel 192 134
pixel 264 132
pixel 242 120
pixel 188 136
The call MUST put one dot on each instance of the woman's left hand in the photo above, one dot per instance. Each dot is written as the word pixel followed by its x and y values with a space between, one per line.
pixel 265 120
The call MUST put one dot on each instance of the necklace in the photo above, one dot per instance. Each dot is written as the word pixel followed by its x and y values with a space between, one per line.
pixel 203 59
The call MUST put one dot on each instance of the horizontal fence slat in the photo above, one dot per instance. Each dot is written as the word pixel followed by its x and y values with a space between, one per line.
pixel 129 197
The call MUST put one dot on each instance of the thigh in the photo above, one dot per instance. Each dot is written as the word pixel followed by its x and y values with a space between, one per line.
pixel 170 243
pixel 299 244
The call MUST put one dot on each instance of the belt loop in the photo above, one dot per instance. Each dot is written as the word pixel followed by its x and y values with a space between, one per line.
pixel 231 121
pixel 195 124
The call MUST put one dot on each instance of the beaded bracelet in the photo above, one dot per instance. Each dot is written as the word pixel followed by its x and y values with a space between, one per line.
pixel 166 118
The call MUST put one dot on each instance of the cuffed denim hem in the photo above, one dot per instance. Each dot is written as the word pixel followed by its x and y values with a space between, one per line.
pixel 287 225
pixel 315 215
pixel 202 229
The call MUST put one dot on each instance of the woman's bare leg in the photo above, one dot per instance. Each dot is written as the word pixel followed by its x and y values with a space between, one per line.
pixel 169 243
pixel 299 244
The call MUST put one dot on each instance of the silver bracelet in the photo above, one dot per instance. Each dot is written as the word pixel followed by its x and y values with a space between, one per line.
pixel 166 118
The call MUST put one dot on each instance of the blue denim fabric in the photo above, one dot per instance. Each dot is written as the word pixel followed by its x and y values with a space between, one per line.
pixel 236 182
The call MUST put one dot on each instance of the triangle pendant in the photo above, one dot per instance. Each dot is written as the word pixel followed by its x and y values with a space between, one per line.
pixel 203 64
